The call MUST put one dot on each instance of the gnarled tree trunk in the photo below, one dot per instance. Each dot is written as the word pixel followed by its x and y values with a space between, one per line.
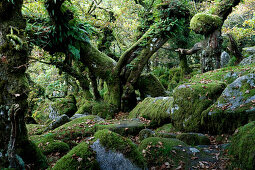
pixel 15 148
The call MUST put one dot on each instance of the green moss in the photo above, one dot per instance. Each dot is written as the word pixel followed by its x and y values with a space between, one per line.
pixel 104 110
pixel 242 147
pixel 157 151
pixel 35 129
pixel 80 157
pixel 226 74
pixel 155 109
pixel 190 100
pixel 31 154
pixel 66 106
pixel 115 142
pixel 216 120
pixel 234 104
pixel 194 139
pixel 124 127
pixel 69 132
pixel 149 85
pixel 203 23
pixel 146 133
pixel 167 128
pixel 85 106
pixel 48 145
pixel 247 90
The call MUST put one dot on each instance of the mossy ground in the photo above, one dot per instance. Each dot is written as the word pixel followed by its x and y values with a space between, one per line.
pixel 226 74
pixel 35 129
pixel 75 132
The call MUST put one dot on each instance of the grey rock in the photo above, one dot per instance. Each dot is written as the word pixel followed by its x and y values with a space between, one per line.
pixel 224 58
pixel 77 115
pixel 249 50
pixel 248 60
pixel 194 150
pixel 234 95
pixel 110 160
pixel 58 122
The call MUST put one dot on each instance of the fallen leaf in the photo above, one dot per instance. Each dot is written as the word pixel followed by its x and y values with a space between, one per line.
pixel 79 159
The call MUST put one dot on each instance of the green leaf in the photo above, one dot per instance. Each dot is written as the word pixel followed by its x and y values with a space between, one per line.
pixel 74 51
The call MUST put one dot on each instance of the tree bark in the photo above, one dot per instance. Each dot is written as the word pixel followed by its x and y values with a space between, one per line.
pixel 233 48
pixel 14 88
pixel 210 59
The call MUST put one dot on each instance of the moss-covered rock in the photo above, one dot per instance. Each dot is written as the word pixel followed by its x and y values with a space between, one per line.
pixel 150 86
pixel 114 142
pixel 248 60
pixel 157 151
pixel 194 139
pixel 58 122
pixel 234 108
pixel 80 157
pixel 69 132
pixel 190 100
pixel 65 106
pixel 146 133
pixel 49 145
pixel 242 147
pixel 249 51
pixel 85 106
pixel 166 131
pixel 227 74
pixel 166 128
pixel 122 127
pixel 203 23
pixel 155 109
pixel 104 110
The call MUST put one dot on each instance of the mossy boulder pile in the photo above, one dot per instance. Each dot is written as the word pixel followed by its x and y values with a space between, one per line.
pixel 242 147
pixel 234 108
pixel 190 100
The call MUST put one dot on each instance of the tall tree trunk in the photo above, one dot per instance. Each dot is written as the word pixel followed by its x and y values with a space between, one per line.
pixel 210 59
pixel 14 88
pixel 234 49
pixel 209 25
pixel 185 69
